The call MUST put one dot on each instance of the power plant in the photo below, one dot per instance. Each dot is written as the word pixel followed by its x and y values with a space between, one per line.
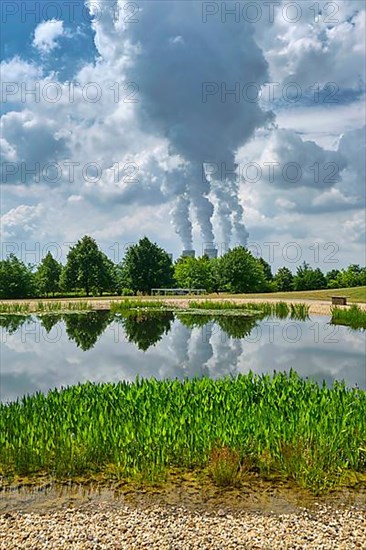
pixel 211 253
pixel 188 254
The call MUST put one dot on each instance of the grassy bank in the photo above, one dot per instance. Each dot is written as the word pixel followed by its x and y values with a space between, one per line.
pixel 353 295
pixel 354 317
pixel 280 425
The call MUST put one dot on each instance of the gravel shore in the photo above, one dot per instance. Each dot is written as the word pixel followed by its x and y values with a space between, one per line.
pixel 100 527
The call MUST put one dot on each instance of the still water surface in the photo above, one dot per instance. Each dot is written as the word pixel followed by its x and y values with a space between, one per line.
pixel 39 354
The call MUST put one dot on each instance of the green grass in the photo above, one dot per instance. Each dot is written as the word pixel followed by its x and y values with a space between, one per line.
pixel 281 425
pixel 354 317
pixel 353 295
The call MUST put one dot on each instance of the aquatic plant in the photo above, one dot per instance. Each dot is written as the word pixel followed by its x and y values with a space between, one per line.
pixel 354 317
pixel 128 304
pixel 79 306
pixel 45 307
pixel 14 308
pixel 282 425
pixel 281 310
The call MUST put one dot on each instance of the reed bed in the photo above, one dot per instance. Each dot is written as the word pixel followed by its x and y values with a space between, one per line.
pixel 52 307
pixel 281 425
pixel 354 317
pixel 79 306
pixel 14 309
pixel 46 307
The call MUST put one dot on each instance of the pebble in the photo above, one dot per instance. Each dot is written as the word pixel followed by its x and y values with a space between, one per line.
pixel 99 527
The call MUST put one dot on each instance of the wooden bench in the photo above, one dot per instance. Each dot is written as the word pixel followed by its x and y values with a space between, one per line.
pixel 339 300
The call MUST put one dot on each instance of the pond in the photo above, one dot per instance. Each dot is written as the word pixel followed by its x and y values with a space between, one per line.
pixel 42 353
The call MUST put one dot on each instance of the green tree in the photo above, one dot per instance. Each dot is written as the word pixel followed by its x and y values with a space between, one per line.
pixel 268 276
pixel 16 279
pixel 266 269
pixel 353 276
pixel 195 273
pixel 284 280
pixel 241 272
pixel 332 278
pixel 307 278
pixel 48 274
pixel 88 268
pixel 146 266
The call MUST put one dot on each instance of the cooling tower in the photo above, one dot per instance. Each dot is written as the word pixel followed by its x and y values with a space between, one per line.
pixel 188 253
pixel 210 252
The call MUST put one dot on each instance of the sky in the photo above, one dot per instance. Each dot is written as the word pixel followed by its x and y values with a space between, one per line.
pixel 190 122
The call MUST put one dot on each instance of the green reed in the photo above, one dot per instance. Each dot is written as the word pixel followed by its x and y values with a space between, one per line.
pixel 354 317
pixel 14 308
pixel 79 306
pixel 56 306
pixel 281 425
pixel 45 307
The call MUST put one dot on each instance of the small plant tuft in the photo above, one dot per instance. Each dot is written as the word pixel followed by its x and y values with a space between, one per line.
pixel 224 466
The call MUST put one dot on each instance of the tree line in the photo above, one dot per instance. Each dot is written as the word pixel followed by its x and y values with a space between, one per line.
pixel 146 265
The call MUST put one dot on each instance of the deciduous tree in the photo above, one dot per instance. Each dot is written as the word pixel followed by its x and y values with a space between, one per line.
pixel 16 278
pixel 88 268
pixel 48 274
pixel 146 266
pixel 241 272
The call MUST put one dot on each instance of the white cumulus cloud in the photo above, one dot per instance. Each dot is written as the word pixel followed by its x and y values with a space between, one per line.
pixel 46 35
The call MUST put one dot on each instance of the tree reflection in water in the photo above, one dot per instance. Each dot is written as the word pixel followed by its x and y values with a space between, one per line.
pixel 11 323
pixel 49 321
pixel 146 329
pixel 235 326
pixel 86 328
